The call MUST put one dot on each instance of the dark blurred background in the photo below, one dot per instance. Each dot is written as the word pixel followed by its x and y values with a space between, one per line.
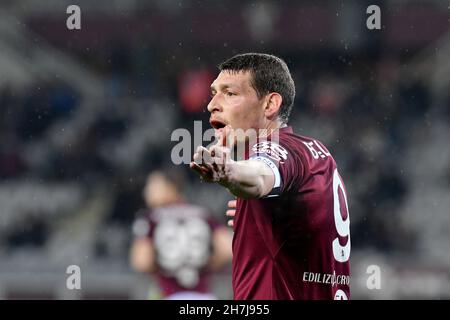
pixel 86 114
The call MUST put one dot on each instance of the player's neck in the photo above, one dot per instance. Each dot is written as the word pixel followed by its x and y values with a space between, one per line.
pixel 270 127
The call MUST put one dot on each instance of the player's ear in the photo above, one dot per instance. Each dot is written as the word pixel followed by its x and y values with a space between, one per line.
pixel 273 105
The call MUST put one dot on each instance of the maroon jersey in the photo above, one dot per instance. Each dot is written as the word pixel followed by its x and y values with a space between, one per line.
pixel 182 239
pixel 295 242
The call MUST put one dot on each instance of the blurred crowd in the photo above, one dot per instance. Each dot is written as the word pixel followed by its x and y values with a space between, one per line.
pixel 360 107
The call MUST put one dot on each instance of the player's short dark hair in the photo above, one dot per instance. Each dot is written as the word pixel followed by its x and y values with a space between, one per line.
pixel 269 74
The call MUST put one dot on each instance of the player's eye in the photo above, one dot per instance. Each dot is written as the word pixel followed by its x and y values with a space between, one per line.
pixel 212 94
pixel 230 94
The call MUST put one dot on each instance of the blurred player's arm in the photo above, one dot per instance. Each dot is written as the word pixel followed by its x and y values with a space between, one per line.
pixel 222 252
pixel 142 255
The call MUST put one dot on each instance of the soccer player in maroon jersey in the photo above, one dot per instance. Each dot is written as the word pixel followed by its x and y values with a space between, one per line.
pixel 178 242
pixel 291 224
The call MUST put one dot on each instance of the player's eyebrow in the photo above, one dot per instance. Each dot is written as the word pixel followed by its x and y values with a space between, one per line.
pixel 221 86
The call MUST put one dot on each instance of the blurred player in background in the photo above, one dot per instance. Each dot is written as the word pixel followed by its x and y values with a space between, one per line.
pixel 179 243
pixel 291 223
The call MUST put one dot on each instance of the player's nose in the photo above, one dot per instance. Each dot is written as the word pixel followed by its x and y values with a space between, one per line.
pixel 214 106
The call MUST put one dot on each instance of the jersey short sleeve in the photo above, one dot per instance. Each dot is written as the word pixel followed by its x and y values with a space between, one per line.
pixel 285 163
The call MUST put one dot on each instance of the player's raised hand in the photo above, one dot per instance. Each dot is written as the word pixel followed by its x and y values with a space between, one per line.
pixel 231 212
pixel 212 164
pixel 202 164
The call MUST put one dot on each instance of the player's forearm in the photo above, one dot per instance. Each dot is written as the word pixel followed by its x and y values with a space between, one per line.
pixel 222 250
pixel 248 179
pixel 142 258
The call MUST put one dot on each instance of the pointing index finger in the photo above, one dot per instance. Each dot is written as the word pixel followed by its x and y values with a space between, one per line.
pixel 223 135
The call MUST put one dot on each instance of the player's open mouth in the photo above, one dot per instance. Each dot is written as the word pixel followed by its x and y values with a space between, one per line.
pixel 217 124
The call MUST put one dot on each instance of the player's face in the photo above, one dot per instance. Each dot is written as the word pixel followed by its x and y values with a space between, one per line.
pixel 235 102
pixel 158 191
